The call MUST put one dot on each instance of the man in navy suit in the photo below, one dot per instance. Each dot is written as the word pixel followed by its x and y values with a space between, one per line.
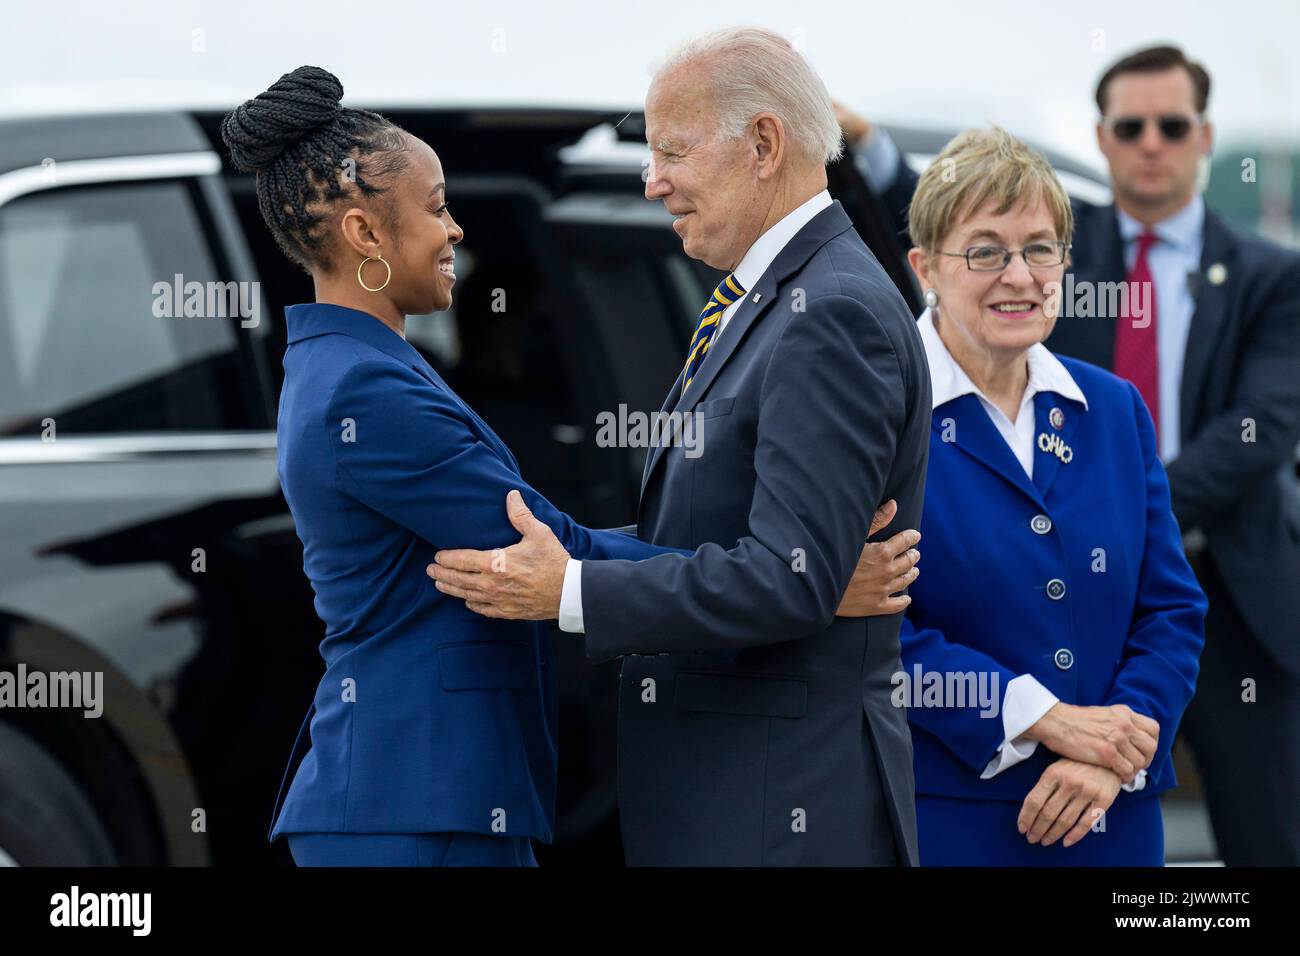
pixel 1213 344
pixel 755 727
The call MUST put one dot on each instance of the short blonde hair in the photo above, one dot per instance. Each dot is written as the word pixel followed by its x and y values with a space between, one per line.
pixel 979 165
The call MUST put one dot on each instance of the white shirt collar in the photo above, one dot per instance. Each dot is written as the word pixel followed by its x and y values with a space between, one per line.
pixel 1183 229
pixel 769 245
pixel 948 380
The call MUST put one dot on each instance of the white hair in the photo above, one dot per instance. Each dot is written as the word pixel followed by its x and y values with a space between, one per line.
pixel 756 71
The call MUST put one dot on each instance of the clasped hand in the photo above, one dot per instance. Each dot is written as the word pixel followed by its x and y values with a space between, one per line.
pixel 1101 748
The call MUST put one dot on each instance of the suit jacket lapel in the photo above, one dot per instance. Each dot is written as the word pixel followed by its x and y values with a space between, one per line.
pixel 1047 462
pixel 756 302
pixel 746 314
pixel 652 456
pixel 1208 318
pixel 819 230
pixel 974 433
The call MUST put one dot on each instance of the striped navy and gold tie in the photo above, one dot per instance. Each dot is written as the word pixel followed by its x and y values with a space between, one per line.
pixel 727 292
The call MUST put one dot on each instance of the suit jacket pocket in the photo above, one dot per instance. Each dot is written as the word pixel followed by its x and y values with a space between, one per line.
pixel 714 407
pixel 735 694
pixel 477 665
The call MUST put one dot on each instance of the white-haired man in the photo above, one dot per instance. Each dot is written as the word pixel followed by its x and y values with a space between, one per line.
pixel 755 726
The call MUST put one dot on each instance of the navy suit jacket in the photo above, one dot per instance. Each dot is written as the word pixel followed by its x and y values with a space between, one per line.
pixel 1241 362
pixel 429 717
pixel 1122 626
pixel 755 726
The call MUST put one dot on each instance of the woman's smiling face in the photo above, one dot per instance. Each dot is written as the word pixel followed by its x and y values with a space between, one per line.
pixel 1009 309
pixel 422 255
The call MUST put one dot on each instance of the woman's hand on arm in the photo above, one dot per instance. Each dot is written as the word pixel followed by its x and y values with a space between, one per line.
pixel 1114 737
pixel 884 568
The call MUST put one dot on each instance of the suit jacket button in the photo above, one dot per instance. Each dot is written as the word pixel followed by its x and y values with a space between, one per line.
pixel 1056 589
pixel 1041 524
pixel 1064 659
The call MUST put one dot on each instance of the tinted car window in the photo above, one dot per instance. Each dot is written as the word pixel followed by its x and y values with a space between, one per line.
pixel 81 337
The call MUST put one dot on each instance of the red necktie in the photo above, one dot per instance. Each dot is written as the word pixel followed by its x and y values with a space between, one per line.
pixel 1136 356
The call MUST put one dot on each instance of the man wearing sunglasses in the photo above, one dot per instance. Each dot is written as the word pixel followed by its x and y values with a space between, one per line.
pixel 1213 345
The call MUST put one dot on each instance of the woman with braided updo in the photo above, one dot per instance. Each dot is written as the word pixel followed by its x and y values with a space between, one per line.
pixel 432 737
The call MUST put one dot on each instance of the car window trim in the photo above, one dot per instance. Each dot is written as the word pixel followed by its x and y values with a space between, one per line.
pixel 89 449
pixel 83 172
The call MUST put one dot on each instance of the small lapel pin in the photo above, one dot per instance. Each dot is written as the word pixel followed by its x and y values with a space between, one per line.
pixel 757 296
pixel 1054 445
pixel 1056 417
pixel 1217 274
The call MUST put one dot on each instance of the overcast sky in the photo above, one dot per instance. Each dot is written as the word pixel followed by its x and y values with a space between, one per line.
pixel 1029 65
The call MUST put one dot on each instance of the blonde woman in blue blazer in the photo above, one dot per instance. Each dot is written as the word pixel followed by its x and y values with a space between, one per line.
pixel 1052 643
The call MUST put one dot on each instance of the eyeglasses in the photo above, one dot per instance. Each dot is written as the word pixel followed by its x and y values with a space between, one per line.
pixel 1128 129
pixel 1037 255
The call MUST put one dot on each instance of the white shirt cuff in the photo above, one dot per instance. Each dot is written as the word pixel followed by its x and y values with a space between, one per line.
pixel 1138 783
pixel 571 599
pixel 1023 705
pixel 878 159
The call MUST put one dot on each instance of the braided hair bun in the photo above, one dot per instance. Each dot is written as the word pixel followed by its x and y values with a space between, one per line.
pixel 308 150
pixel 257 132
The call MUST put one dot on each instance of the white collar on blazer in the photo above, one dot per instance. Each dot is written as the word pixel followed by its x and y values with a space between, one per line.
pixel 948 380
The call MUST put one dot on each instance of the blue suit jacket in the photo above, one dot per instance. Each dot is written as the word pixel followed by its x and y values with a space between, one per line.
pixel 1126 629
pixel 429 717
pixel 1243 349
pixel 755 726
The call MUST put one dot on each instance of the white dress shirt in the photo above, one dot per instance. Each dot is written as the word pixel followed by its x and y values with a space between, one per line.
pixel 1025 700
pixel 752 265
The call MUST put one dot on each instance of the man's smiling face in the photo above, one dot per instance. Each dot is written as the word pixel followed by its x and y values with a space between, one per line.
pixel 703 180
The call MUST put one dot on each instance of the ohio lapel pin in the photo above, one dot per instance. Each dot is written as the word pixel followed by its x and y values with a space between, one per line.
pixel 1050 442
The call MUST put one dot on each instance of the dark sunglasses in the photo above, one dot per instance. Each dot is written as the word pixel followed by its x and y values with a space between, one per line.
pixel 1128 128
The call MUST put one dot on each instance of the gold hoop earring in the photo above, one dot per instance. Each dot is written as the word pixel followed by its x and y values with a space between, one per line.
pixel 377 256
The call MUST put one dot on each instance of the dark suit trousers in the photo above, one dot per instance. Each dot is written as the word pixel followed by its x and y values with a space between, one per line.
pixel 1248 753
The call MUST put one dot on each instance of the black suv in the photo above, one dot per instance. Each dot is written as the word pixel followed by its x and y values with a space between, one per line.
pixel 144 534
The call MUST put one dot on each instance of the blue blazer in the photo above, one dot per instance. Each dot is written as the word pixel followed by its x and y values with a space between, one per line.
pixel 1243 348
pixel 429 717
pixel 1122 625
